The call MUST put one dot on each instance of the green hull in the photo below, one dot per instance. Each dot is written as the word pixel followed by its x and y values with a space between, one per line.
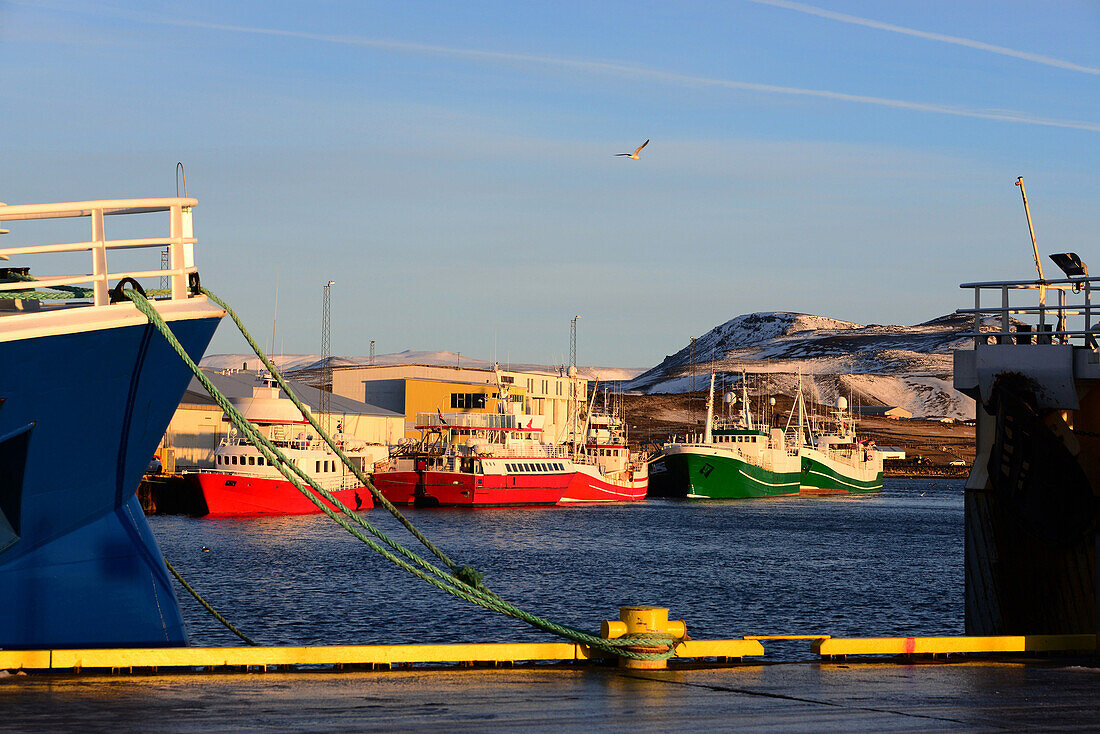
pixel 818 478
pixel 706 476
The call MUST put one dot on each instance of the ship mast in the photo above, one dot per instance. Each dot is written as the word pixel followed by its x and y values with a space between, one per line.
pixel 707 436
pixel 573 380
pixel 746 408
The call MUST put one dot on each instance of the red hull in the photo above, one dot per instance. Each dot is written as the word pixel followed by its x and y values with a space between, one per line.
pixel 229 495
pixel 459 489
pixel 588 488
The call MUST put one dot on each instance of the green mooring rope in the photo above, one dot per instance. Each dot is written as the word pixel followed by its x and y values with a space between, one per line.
pixel 461 582
pixel 212 610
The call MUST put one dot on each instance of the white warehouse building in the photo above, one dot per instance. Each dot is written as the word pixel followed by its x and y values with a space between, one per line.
pixel 198 426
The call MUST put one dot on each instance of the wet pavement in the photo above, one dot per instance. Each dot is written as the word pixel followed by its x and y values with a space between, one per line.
pixel 983 695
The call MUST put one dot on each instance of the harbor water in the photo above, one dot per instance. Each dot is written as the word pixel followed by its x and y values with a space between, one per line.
pixel 888 564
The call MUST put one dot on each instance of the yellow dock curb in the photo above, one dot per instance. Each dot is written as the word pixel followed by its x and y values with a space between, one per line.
pixel 382 655
pixel 839 646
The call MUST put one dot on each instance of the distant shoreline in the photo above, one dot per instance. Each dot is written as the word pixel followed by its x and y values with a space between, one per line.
pixel 915 472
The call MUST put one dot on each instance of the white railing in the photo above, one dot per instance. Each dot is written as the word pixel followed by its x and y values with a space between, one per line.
pixel 180 243
pixel 533 451
pixel 478 421
pixel 1043 312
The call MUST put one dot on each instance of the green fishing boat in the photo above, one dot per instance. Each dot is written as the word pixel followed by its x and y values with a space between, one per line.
pixel 731 461
pixel 834 460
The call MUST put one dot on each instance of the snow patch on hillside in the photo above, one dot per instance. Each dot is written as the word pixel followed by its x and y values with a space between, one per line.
pixel 905 366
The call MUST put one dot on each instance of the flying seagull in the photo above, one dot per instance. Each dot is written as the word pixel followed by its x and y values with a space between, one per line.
pixel 634 155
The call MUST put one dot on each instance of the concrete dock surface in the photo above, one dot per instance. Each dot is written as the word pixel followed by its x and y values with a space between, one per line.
pixel 982 695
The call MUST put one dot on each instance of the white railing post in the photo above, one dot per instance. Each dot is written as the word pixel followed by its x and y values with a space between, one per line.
pixel 180 254
pixel 99 260
pixel 1088 313
pixel 977 316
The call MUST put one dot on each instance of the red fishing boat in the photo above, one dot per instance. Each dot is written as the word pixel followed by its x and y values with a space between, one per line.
pixel 606 472
pixel 478 460
pixel 244 483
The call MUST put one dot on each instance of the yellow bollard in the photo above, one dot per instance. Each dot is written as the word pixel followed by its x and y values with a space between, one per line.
pixel 643 621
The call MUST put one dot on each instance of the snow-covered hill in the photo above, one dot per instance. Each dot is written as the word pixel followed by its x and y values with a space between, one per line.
pixel 905 366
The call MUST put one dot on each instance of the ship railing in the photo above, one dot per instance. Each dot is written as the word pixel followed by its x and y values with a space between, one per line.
pixel 1035 312
pixel 533 450
pixel 299 444
pixel 476 421
pixel 180 244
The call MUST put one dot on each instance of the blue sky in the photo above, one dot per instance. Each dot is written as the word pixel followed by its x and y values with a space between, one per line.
pixel 450 165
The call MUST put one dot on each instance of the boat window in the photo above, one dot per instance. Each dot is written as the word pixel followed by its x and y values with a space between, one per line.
pixel 234 459
pixel 318 469
pixel 260 460
pixel 252 461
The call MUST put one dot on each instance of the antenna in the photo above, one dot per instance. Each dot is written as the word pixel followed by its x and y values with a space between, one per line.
pixel 166 254
pixel 372 352
pixel 691 361
pixel 326 354
pixel 275 318
pixel 573 378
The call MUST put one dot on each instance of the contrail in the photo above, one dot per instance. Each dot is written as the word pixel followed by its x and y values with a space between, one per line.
pixel 957 40
pixel 625 70
pixel 638 72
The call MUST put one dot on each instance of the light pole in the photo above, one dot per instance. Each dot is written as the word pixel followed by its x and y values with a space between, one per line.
pixel 326 354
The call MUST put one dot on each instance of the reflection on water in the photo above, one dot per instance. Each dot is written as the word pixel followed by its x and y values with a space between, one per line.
pixel 888 564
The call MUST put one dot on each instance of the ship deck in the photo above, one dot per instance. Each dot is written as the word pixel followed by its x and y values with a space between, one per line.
pixel 973 695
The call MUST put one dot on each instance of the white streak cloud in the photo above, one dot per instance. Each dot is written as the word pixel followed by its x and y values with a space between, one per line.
pixel 956 40
pixel 638 72
pixel 625 70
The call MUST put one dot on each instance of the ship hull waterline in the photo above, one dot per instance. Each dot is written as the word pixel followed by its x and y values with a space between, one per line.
pixel 594 488
pixel 711 476
pixel 233 495
pixel 822 476
pixel 432 488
